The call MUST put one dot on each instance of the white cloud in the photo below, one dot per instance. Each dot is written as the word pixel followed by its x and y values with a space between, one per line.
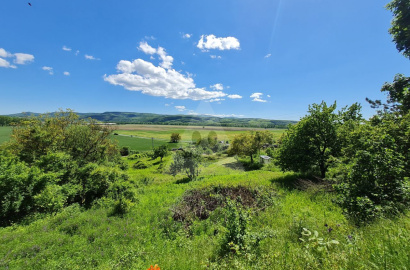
pixel 234 96
pixel 187 35
pixel 65 48
pixel 23 58
pixel 215 56
pixel 219 43
pixel 90 57
pixel 257 97
pixel 268 55
pixel 49 69
pixel 180 108
pixel 216 99
pixel 6 64
pixel 166 59
pixel 146 48
pixel 66 73
pixel 167 105
pixel 149 37
pixel 218 86
pixel 19 58
pixel 268 96
pixel 77 52
pixel 4 53
pixel 160 81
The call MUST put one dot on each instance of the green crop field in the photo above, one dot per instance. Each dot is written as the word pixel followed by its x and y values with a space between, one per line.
pixel 141 144
pixel 5 133
pixel 162 132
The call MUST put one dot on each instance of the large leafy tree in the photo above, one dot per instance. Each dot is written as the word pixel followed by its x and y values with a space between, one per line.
pixel 400 28
pixel 248 144
pixel 308 145
pixel 188 162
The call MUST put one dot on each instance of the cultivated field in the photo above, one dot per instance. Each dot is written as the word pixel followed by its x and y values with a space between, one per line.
pixel 162 132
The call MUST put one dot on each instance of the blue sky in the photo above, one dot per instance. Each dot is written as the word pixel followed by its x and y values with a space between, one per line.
pixel 265 59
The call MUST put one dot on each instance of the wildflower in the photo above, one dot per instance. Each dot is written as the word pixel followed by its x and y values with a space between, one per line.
pixel 325 224
pixel 350 237
pixel 156 267
pixel 330 229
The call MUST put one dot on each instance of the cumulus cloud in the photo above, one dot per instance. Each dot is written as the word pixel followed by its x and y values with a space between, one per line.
pixel 234 96
pixel 19 58
pixel 211 42
pixel 218 86
pixel 166 59
pixel 90 57
pixel 23 58
pixel 4 53
pixel 146 48
pixel 268 55
pixel 65 48
pixel 180 108
pixel 66 73
pixel 6 64
pixel 49 69
pixel 257 97
pixel 187 35
pixel 160 81
pixel 268 96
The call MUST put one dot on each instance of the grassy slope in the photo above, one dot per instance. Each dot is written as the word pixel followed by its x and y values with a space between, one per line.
pixel 93 239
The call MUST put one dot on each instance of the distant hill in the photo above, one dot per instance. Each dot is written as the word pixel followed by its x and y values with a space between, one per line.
pixel 191 120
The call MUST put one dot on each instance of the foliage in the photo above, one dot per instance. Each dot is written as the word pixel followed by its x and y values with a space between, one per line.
pixel 212 138
pixel 175 137
pixel 52 162
pixel 398 96
pixel 196 137
pixel 124 151
pixel 400 25
pixel 188 162
pixel 316 243
pixel 9 120
pixel 160 151
pixel 308 145
pixel 250 143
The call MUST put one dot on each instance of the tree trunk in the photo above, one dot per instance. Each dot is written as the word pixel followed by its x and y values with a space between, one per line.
pixel 251 158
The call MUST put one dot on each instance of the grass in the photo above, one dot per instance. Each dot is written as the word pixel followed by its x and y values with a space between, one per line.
pixel 141 144
pixel 5 133
pixel 147 235
pixel 164 132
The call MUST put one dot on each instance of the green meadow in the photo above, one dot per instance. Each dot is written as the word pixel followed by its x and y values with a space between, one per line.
pixel 148 234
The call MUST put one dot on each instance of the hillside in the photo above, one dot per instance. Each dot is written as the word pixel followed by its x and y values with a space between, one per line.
pixel 192 120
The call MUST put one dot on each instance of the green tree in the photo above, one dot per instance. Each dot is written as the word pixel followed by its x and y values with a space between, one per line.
pixel 196 137
pixel 212 138
pixel 400 28
pixel 175 137
pixel 160 151
pixel 308 145
pixel 248 144
pixel 188 162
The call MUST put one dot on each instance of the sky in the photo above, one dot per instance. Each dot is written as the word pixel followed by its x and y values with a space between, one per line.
pixel 231 58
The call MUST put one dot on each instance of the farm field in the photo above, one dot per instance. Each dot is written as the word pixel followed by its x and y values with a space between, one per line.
pixel 162 132
pixel 149 234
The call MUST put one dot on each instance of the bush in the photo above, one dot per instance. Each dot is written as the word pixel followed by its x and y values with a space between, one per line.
pixel 140 165
pixel 125 151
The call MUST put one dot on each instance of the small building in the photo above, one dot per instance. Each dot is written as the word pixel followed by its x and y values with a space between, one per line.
pixel 265 159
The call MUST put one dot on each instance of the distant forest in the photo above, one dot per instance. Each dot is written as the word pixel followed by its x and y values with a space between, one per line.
pixel 159 119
